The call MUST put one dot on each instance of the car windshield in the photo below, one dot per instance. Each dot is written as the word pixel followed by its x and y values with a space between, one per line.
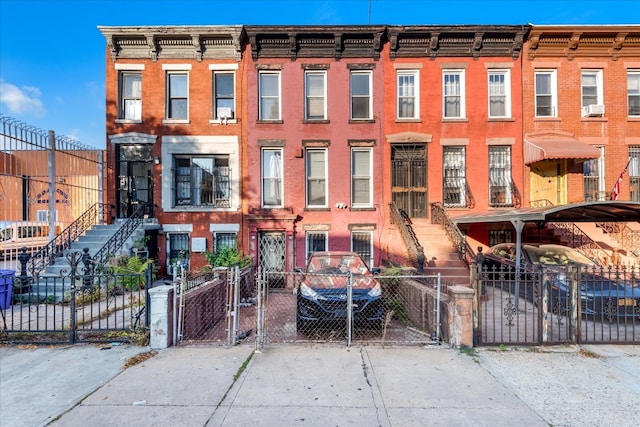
pixel 336 264
pixel 555 255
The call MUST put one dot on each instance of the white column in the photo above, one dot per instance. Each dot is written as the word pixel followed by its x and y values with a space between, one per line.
pixel 161 322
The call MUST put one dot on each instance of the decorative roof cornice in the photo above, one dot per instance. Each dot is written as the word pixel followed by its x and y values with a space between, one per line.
pixel 456 41
pixel 189 42
pixel 574 41
pixel 315 41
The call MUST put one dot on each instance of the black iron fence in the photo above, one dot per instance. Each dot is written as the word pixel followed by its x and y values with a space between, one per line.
pixel 87 302
pixel 559 304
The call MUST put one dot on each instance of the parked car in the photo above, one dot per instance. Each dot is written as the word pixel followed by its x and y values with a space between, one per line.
pixel 322 292
pixel 602 294
pixel 16 235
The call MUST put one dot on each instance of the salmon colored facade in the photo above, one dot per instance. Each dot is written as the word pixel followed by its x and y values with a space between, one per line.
pixel 315 159
pixel 582 113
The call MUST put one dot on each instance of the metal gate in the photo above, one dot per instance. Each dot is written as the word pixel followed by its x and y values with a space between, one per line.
pixel 553 305
pixel 271 256
pixel 409 179
pixel 79 305
pixel 408 311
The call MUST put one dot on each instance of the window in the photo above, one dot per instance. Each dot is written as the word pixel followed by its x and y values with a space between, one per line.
pixel 499 93
pixel 362 244
pixel 316 242
pixel 269 87
pixel 500 176
pixel 591 87
pixel 202 181
pixel 223 95
pixel 272 178
pixel 634 173
pixel 546 96
pixel 178 249
pixel 454 176
pixel 317 178
pixel 222 240
pixel 500 236
pixel 177 96
pixel 361 177
pixel 408 90
pixel 593 178
pixel 361 102
pixel 453 94
pixel 633 92
pixel 130 96
pixel 315 83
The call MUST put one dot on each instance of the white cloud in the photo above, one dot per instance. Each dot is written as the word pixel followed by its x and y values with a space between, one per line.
pixel 21 100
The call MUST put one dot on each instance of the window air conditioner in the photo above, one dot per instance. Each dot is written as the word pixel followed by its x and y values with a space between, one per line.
pixel 224 113
pixel 593 110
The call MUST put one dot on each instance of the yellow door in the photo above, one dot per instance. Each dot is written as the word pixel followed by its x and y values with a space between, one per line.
pixel 548 183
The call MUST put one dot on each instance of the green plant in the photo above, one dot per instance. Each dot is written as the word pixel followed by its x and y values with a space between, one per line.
pixel 129 271
pixel 228 257
pixel 141 243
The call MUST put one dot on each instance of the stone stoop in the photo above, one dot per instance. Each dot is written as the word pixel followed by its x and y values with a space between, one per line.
pixel 441 256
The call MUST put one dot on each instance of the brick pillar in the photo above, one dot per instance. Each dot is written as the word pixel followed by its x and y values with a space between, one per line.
pixel 460 316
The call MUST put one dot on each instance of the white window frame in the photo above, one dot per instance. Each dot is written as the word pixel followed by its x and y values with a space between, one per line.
pixel 499 90
pixel 263 97
pixel 307 236
pixel 597 84
pixel 500 174
pixel 319 98
pixel 273 183
pixel 368 97
pixel 454 175
pixel 317 174
pixel 358 178
pixel 130 108
pixel 216 98
pixel 552 94
pixel 448 92
pixel 169 116
pixel 407 92
pixel 633 92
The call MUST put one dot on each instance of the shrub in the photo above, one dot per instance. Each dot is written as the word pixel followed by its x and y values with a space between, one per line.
pixel 228 257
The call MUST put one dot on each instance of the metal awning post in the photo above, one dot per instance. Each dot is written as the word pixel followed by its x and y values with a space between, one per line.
pixel 518 224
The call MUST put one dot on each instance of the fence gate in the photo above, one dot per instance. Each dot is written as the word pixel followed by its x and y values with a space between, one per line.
pixel 79 305
pixel 554 305
pixel 407 311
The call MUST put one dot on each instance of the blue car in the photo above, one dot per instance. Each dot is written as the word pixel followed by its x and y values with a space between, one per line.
pixel 603 293
pixel 322 293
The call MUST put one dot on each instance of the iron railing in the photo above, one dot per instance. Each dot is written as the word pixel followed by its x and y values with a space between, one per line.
pixel 117 241
pixel 403 222
pixel 440 216
pixel 623 234
pixel 96 214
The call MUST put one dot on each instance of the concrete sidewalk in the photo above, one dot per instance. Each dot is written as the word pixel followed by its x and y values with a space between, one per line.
pixel 323 385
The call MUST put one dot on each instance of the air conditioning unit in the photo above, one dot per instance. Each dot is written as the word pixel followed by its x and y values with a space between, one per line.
pixel 224 113
pixel 593 110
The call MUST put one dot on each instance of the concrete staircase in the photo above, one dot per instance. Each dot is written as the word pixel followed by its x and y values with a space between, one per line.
pixel 50 285
pixel 441 256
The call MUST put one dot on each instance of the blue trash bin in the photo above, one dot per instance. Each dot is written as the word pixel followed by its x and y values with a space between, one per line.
pixel 6 288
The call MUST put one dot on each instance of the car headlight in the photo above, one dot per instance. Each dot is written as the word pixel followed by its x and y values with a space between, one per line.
pixel 376 291
pixel 308 292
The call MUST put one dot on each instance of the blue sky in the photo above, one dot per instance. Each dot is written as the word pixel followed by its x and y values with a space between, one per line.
pixel 52 56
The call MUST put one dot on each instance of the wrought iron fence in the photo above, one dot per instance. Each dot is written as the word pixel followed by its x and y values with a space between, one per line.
pixel 559 304
pixel 84 303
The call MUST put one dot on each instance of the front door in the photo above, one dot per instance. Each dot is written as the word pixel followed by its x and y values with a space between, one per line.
pixel 548 182
pixel 271 257
pixel 409 178
pixel 135 182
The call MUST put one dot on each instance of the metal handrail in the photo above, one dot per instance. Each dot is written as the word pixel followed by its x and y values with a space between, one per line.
pixel 119 238
pixel 403 222
pixel 623 234
pixel 46 256
pixel 581 242
pixel 440 216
